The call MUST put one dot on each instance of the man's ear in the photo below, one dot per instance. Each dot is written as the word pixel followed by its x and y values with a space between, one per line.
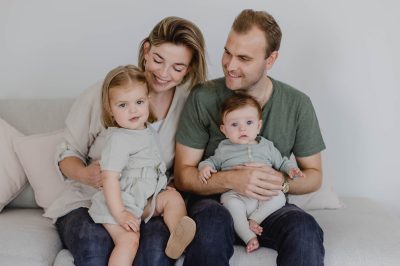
pixel 271 60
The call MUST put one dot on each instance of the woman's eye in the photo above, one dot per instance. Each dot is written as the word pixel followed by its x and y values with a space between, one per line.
pixel 157 61
pixel 178 69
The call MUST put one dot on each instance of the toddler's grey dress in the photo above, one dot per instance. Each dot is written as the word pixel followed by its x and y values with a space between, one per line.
pixel 135 154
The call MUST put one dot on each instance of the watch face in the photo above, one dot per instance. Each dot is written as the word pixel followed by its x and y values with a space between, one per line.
pixel 285 187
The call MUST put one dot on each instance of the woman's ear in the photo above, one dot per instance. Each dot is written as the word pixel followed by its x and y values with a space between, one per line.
pixel 146 50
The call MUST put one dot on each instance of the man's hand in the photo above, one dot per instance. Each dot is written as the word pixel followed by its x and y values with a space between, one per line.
pixel 128 221
pixel 257 181
pixel 90 175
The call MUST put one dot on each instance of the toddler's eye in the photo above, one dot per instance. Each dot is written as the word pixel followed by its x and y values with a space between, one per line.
pixel 122 105
pixel 140 102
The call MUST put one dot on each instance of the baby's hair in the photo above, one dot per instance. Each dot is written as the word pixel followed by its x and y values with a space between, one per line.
pixel 238 101
pixel 119 76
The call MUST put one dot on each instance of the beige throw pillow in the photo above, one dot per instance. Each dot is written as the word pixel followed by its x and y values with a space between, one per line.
pixel 12 176
pixel 37 154
pixel 324 198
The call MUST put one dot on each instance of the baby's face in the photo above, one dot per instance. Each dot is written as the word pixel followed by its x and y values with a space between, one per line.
pixel 242 126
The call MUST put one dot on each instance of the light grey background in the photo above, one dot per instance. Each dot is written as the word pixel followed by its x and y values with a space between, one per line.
pixel 343 54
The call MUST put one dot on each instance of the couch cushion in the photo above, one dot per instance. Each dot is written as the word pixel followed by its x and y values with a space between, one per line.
pixel 12 176
pixel 361 234
pixel 27 238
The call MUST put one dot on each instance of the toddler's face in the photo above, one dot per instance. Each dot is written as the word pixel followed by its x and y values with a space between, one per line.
pixel 130 105
pixel 241 126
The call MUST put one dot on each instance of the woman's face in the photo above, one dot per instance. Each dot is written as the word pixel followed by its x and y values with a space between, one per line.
pixel 166 65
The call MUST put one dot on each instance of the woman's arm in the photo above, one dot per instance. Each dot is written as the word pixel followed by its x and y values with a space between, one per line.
pixel 74 168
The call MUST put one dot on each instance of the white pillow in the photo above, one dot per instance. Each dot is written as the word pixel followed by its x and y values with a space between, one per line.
pixel 323 198
pixel 12 176
pixel 37 154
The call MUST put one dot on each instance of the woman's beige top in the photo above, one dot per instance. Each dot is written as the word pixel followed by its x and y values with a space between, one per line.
pixel 85 139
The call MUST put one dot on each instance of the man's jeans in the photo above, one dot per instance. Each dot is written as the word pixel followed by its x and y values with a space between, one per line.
pixel 292 232
pixel 91 245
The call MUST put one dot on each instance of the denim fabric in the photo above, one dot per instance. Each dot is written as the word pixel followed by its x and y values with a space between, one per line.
pixel 91 245
pixel 295 235
pixel 213 242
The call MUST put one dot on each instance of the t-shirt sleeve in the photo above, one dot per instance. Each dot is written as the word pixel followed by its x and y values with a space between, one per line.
pixel 308 139
pixel 115 155
pixel 192 129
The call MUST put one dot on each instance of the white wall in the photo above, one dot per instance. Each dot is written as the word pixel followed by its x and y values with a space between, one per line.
pixel 343 54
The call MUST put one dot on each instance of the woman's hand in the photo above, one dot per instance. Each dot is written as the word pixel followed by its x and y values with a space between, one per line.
pixel 128 221
pixel 90 175
pixel 257 180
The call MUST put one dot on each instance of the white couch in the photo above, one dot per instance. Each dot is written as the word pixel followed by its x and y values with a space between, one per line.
pixel 361 233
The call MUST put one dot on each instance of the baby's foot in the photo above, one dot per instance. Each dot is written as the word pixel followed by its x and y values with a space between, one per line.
pixel 181 237
pixel 255 227
pixel 252 245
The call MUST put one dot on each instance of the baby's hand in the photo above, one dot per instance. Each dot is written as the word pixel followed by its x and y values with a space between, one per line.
pixel 296 172
pixel 205 173
pixel 128 221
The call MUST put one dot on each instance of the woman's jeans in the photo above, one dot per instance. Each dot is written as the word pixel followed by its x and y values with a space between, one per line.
pixel 91 245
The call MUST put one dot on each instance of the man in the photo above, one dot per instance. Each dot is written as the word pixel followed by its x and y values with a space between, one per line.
pixel 289 122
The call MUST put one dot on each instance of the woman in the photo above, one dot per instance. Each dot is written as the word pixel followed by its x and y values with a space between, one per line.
pixel 173 60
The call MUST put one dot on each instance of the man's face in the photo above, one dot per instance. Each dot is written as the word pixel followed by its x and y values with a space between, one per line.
pixel 244 61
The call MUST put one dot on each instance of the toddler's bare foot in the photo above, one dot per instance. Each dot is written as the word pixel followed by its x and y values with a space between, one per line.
pixel 255 227
pixel 252 245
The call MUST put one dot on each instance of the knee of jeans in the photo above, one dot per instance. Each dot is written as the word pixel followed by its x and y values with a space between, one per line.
pixel 214 225
pixel 305 227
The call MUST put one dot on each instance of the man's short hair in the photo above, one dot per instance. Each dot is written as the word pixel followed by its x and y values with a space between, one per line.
pixel 248 18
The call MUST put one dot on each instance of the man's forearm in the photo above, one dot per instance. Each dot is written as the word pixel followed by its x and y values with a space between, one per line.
pixel 310 183
pixel 187 180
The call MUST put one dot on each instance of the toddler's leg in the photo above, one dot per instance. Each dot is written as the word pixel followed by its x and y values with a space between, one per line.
pixel 182 228
pixel 126 245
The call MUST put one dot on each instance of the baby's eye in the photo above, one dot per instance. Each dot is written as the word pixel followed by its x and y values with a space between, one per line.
pixel 249 122
pixel 122 105
pixel 234 124
pixel 140 102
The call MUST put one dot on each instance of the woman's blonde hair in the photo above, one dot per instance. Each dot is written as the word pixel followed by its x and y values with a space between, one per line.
pixel 179 31
pixel 119 76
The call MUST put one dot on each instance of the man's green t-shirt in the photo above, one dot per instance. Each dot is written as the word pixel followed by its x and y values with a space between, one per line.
pixel 289 120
